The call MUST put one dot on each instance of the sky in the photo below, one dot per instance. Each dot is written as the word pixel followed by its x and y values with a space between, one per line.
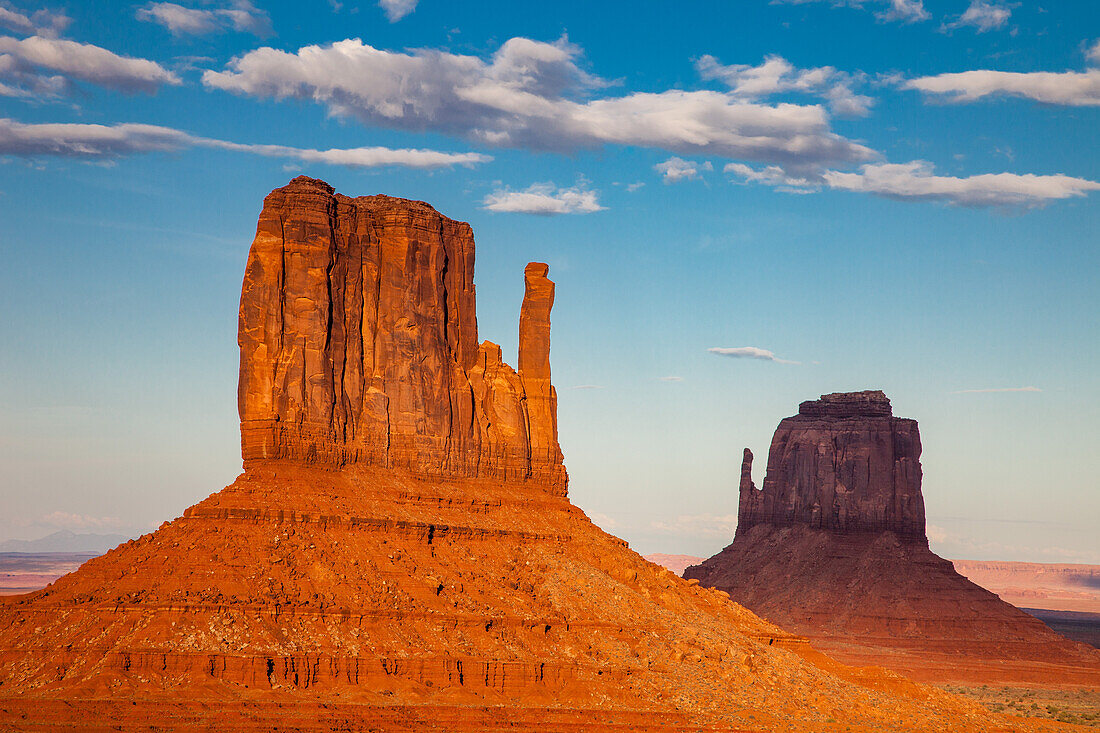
pixel 744 205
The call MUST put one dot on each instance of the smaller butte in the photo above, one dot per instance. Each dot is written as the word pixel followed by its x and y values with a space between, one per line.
pixel 833 547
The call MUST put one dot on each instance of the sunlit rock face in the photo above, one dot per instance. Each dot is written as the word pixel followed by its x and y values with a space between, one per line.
pixel 359 344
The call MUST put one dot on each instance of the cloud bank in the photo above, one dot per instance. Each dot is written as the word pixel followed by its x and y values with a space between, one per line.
pixel 533 95
pixel 917 181
pixel 109 142
pixel 26 66
pixel 1070 88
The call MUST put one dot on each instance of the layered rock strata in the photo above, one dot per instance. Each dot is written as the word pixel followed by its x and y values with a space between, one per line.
pixel 359 344
pixel 834 547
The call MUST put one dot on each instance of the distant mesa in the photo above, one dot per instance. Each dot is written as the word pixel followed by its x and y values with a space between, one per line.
pixel 844 463
pixel 833 546
pixel 399 553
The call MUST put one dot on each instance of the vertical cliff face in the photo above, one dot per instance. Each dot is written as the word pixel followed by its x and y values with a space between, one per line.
pixel 842 464
pixel 358 338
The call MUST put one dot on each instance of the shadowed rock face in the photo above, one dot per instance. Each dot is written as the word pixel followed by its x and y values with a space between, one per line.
pixel 842 464
pixel 358 337
pixel 834 547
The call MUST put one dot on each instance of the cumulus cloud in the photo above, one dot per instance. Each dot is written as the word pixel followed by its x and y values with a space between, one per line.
pixel 27 63
pixel 997 389
pixel 776 75
pixel 242 16
pixel 42 22
pixel 535 95
pixel 916 181
pixel 904 11
pixel 749 352
pixel 774 176
pixel 544 199
pixel 397 9
pixel 983 16
pixel 108 142
pixel 676 169
pixel 1072 88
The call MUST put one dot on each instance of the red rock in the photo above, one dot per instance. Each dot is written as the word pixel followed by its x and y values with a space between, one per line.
pixel 843 463
pixel 358 336
pixel 834 547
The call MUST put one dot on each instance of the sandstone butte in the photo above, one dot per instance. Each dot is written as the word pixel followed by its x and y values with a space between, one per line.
pixel 400 552
pixel 833 547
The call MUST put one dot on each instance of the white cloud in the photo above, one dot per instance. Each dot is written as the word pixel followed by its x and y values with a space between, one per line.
pixel 107 142
pixel 242 15
pixel 1072 88
pixel 699 524
pixel 749 352
pixel 671 379
pixel 775 176
pixel 776 75
pixel 997 389
pixel 93 142
pixel 916 181
pixel 21 60
pixel 905 11
pixel 588 386
pixel 80 521
pixel 632 187
pixel 676 169
pixel 357 157
pixel 42 22
pixel 397 9
pixel 533 95
pixel 982 15
pixel 544 199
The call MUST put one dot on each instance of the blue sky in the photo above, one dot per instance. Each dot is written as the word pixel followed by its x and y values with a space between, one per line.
pixel 887 194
